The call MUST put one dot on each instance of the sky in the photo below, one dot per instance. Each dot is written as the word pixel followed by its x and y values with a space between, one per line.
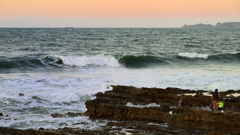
pixel 116 13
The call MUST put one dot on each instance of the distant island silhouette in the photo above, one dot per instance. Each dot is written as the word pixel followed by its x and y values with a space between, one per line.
pixel 218 25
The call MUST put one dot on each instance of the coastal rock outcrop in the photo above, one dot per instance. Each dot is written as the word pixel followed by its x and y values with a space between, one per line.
pixel 185 109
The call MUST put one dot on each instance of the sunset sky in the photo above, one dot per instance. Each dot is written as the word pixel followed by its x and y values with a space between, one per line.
pixel 116 13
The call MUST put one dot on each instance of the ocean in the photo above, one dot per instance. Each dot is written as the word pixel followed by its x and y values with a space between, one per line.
pixel 56 70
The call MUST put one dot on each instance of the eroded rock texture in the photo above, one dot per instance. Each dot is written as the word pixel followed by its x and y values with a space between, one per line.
pixel 184 109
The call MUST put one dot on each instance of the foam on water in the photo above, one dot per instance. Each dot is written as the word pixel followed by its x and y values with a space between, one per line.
pixel 81 61
pixel 193 55
pixel 207 94
pixel 46 121
pixel 129 104
pixel 67 90
pixel 234 52
pixel 233 94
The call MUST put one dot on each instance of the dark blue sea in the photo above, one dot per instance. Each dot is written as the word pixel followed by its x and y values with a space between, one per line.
pixel 58 70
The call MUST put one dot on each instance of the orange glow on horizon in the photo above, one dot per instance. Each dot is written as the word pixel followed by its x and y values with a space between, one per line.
pixel 119 8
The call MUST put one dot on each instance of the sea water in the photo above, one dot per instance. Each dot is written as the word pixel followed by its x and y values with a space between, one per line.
pixel 46 70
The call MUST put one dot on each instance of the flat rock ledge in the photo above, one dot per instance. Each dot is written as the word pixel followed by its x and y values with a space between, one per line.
pixel 132 110
pixel 181 111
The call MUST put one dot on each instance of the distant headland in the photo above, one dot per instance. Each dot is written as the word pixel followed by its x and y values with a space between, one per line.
pixel 218 25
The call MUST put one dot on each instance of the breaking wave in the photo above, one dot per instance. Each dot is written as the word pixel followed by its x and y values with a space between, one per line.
pixel 82 61
pixel 128 61
pixel 59 61
pixel 230 57
pixel 193 55
pixel 141 61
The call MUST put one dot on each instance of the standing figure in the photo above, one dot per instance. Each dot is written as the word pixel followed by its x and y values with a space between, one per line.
pixel 221 105
pixel 215 98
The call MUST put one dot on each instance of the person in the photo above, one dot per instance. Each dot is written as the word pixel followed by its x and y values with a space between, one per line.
pixel 215 98
pixel 221 105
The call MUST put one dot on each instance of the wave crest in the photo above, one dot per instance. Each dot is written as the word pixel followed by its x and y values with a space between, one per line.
pixel 82 61
pixel 228 57
pixel 132 61
pixel 225 57
pixel 193 55
pixel 59 61
pixel 141 60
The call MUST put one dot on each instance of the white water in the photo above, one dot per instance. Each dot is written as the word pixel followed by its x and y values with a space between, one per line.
pixel 129 104
pixel 82 61
pixel 193 55
pixel 67 89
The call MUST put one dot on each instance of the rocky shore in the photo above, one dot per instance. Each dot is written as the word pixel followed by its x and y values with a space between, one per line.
pixel 131 110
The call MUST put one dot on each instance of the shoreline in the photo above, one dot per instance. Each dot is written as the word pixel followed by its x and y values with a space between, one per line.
pixel 131 110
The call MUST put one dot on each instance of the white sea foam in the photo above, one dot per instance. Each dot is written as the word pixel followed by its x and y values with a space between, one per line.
pixel 207 108
pixel 81 61
pixel 193 55
pixel 67 90
pixel 233 94
pixel 129 104
pixel 187 94
pixel 194 94
pixel 234 52
pixel 207 94
pixel 223 85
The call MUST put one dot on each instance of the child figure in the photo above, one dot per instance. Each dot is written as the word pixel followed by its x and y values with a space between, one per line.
pixel 221 105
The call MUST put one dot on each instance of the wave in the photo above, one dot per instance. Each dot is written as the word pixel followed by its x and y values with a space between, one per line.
pixel 228 57
pixel 131 61
pixel 20 63
pixel 141 61
pixel 59 61
pixel 193 55
pixel 231 56
pixel 128 61
pixel 83 61
pixel 102 60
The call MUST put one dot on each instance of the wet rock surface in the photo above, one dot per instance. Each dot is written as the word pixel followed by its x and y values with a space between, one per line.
pixel 69 114
pixel 131 110
pixel 60 131
pixel 186 110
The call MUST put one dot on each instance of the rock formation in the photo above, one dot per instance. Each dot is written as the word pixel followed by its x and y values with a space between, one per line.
pixel 69 114
pixel 194 114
